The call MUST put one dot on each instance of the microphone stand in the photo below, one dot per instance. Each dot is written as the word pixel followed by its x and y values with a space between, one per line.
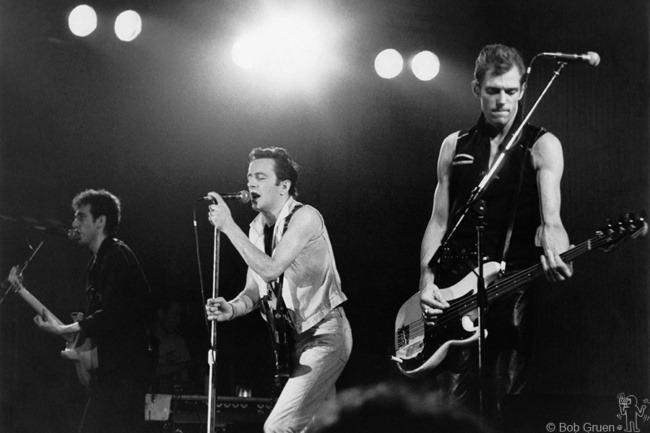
pixel 474 202
pixel 481 296
pixel 10 287
pixel 212 353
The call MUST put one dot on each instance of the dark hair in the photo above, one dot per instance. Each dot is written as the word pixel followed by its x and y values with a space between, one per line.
pixel 101 203
pixel 499 59
pixel 285 167
pixel 394 407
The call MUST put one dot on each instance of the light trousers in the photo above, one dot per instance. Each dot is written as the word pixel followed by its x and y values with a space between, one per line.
pixel 319 356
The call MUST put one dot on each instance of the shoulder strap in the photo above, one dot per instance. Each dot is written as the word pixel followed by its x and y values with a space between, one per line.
pixel 288 218
pixel 277 285
pixel 513 213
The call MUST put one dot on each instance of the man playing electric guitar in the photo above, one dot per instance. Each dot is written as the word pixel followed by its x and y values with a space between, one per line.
pixel 522 223
pixel 115 319
pixel 300 259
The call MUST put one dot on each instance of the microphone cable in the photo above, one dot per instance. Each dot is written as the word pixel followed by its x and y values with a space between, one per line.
pixel 198 262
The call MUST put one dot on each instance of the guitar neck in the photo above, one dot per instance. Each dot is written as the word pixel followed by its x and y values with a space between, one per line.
pixel 36 304
pixel 512 282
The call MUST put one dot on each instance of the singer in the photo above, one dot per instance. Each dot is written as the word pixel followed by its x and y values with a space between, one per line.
pixel 115 319
pixel 522 226
pixel 290 263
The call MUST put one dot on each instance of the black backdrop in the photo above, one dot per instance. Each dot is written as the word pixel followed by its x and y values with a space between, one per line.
pixel 167 118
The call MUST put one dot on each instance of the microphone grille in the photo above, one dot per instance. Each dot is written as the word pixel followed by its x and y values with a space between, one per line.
pixel 594 58
pixel 245 196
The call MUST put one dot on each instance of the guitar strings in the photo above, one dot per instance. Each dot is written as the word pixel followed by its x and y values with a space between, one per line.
pixel 460 307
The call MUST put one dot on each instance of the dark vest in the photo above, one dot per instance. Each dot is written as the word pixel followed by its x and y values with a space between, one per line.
pixel 468 167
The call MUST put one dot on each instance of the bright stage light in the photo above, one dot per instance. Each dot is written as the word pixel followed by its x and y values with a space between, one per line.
pixel 425 65
pixel 128 25
pixel 246 53
pixel 291 48
pixel 82 21
pixel 389 63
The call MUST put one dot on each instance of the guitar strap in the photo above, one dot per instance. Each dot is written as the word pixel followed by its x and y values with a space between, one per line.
pixel 513 213
pixel 276 286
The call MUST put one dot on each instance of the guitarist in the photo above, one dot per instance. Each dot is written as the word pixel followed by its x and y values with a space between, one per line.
pixel 115 319
pixel 301 263
pixel 522 224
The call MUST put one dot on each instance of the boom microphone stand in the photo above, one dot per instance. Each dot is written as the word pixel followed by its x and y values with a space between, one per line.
pixel 475 203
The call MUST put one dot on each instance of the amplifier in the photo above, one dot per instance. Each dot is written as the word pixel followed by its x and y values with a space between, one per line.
pixel 191 409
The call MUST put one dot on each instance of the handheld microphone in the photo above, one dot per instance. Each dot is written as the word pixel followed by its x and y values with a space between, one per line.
pixel 591 58
pixel 242 196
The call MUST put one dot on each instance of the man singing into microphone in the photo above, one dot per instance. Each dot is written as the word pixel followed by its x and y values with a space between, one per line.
pixel 289 244
pixel 522 224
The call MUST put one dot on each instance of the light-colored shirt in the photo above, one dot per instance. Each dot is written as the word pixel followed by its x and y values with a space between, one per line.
pixel 312 286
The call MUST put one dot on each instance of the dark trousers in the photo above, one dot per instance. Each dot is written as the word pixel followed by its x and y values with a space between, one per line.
pixel 115 405
pixel 506 359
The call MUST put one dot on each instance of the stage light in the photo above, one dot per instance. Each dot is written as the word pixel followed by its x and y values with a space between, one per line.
pixel 425 65
pixel 82 21
pixel 289 48
pixel 246 53
pixel 389 63
pixel 128 25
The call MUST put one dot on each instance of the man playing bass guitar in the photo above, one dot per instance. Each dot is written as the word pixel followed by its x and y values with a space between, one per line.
pixel 291 263
pixel 522 224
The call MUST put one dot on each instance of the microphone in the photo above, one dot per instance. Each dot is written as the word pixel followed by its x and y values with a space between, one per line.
pixel 241 196
pixel 58 231
pixel 591 58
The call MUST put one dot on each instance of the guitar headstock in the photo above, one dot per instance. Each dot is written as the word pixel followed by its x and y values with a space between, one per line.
pixel 616 232
pixel 15 278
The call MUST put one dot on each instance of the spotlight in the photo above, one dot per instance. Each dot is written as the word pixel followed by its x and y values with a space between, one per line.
pixel 128 26
pixel 425 65
pixel 246 53
pixel 389 63
pixel 82 21
pixel 289 47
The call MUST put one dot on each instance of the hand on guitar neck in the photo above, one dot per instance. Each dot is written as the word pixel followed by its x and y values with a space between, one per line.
pixel 45 320
pixel 80 350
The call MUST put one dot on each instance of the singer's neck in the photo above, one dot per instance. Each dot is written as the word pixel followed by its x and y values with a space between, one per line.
pixel 271 215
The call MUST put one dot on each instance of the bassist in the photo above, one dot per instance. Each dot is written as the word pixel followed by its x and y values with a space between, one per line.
pixel 522 223
pixel 302 262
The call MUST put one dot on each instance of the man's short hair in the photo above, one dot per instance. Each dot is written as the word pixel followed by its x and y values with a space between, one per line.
pixel 285 167
pixel 499 59
pixel 101 203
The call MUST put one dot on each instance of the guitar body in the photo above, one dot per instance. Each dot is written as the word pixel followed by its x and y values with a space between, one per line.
pixel 419 347
pixel 83 353
pixel 277 325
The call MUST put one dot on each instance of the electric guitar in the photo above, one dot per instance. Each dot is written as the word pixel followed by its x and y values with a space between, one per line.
pixel 277 321
pixel 77 349
pixel 420 347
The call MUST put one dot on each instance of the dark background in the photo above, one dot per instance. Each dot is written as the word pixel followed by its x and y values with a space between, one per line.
pixel 165 119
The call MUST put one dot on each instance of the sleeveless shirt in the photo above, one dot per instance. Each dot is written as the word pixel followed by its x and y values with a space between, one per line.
pixel 468 167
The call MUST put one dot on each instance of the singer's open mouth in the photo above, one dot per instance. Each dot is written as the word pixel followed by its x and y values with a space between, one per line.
pixel 255 195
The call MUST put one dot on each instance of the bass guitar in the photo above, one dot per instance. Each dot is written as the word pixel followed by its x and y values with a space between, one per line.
pixel 77 349
pixel 420 347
